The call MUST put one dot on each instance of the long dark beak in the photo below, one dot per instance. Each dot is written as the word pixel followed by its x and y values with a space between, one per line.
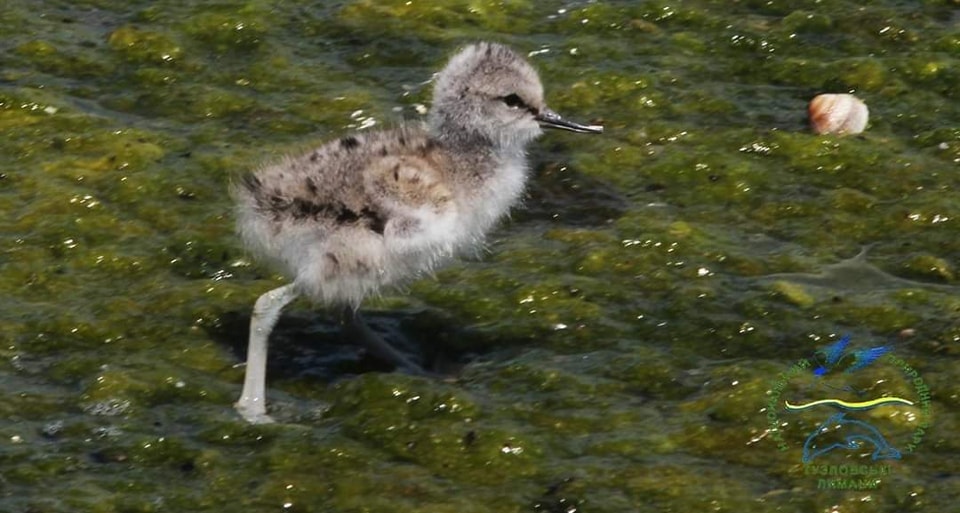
pixel 550 119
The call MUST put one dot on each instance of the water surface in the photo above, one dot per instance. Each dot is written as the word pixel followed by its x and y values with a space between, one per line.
pixel 612 351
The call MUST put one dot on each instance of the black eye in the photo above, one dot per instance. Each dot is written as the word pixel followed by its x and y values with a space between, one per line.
pixel 512 100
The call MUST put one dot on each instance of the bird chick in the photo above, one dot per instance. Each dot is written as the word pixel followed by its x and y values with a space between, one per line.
pixel 372 209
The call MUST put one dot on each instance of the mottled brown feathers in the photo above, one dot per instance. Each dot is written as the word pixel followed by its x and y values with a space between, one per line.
pixel 303 209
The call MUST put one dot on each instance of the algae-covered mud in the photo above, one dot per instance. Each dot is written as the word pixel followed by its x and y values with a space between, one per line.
pixel 626 343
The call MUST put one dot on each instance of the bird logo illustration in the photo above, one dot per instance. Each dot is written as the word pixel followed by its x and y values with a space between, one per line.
pixel 836 358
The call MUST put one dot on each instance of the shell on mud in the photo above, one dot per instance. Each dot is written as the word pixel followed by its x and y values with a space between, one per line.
pixel 838 114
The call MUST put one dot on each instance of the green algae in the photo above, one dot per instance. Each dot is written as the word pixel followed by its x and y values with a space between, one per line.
pixel 614 359
pixel 794 294
pixel 438 21
pixel 144 47
pixel 228 31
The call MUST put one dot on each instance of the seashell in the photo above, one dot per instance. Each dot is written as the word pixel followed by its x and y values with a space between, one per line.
pixel 838 114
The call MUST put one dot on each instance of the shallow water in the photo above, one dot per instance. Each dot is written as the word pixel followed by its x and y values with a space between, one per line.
pixel 614 350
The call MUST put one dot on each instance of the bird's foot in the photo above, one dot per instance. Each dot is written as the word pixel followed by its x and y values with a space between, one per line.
pixel 253 412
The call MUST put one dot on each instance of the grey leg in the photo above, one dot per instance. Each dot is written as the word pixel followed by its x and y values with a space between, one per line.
pixel 358 332
pixel 252 405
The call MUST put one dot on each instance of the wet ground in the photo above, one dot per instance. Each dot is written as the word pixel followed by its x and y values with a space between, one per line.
pixel 621 346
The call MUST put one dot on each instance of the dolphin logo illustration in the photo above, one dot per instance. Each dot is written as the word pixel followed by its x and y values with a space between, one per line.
pixel 850 435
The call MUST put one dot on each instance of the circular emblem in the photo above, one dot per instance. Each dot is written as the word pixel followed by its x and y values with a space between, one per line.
pixel 850 413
